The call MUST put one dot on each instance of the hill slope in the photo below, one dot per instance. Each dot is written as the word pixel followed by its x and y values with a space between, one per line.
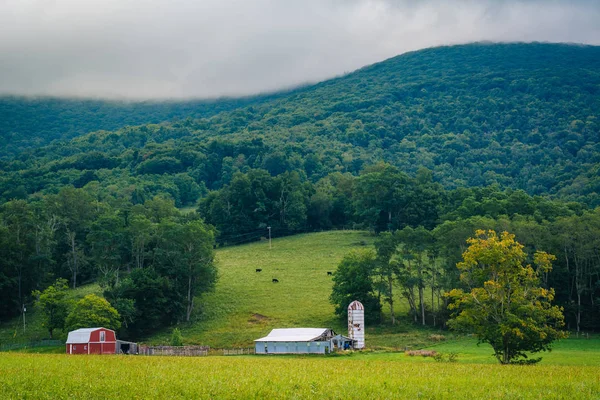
pixel 519 115
pixel 246 304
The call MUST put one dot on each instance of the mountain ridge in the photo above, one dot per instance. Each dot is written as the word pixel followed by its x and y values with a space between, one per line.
pixel 518 115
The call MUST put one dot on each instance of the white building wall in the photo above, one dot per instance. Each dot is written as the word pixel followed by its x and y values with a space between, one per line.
pixel 292 347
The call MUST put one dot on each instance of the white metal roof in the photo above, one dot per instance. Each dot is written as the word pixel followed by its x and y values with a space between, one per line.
pixel 81 335
pixel 293 335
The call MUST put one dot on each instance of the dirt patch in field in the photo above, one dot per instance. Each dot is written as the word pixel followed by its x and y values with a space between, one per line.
pixel 257 318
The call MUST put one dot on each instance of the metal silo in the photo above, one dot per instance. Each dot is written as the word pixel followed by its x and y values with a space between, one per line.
pixel 356 323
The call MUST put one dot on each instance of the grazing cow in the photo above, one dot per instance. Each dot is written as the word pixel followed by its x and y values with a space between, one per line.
pixel 258 270
pixel 329 273
pixel 275 280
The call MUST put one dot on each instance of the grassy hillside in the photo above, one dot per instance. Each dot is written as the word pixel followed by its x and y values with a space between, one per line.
pixel 246 304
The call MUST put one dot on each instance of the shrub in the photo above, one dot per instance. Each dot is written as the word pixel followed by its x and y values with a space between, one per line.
pixel 422 353
pixel 450 357
pixel 437 338
pixel 176 338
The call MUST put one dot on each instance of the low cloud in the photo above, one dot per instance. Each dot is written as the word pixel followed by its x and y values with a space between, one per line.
pixel 190 48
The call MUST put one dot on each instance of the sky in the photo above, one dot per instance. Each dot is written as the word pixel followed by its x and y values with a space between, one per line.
pixel 155 49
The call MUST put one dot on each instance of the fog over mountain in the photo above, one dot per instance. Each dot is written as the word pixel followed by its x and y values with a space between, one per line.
pixel 189 48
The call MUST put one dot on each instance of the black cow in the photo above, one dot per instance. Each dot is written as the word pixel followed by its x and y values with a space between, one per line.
pixel 275 280
pixel 258 270
pixel 329 273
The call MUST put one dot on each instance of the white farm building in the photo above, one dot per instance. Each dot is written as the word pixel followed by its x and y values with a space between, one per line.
pixel 301 341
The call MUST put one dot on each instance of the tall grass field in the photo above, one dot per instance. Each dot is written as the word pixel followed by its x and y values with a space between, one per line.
pixel 255 377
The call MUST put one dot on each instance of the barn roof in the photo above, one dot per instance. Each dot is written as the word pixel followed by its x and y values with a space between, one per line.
pixel 81 335
pixel 293 335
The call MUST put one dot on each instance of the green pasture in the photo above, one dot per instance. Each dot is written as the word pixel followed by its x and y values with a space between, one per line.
pixel 49 376
pixel 246 304
pixel 572 351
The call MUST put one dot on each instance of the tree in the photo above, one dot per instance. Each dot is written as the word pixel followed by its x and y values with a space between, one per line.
pixel 185 254
pixel 106 238
pixel 19 218
pixel 387 268
pixel 415 243
pixel 379 194
pixel 140 232
pixel 54 305
pixel 176 338
pixel 146 301
pixel 75 210
pixel 505 306
pixel 353 280
pixel 578 243
pixel 155 299
pixel 93 311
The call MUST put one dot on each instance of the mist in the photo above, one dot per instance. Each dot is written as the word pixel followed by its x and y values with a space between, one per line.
pixel 158 49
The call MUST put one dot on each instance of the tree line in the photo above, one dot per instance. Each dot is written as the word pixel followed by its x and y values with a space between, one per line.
pixel 85 235
pixel 150 260
pixel 419 265
pixel 499 294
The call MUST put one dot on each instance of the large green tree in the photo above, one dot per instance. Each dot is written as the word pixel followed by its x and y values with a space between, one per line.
pixel 353 280
pixel 147 301
pixel 387 269
pixel 416 244
pixel 75 210
pixel 185 254
pixel 93 311
pixel 54 305
pixel 504 304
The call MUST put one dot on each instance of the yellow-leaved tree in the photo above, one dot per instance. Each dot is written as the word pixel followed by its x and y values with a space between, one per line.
pixel 503 302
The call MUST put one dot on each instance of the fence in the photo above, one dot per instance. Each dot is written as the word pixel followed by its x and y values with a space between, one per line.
pixel 238 352
pixel 30 345
pixel 182 351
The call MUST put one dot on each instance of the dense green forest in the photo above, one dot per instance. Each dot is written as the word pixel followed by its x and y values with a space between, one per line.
pixel 33 122
pixel 152 247
pixel 523 116
pixel 444 141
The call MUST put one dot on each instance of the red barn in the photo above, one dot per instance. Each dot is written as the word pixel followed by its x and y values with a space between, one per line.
pixel 92 341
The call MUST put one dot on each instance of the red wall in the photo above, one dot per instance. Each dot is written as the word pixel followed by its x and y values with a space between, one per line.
pixel 103 348
pixel 109 336
pixel 109 346
pixel 78 348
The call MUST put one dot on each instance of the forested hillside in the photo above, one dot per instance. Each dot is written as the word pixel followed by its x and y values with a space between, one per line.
pixel 443 141
pixel 521 115
pixel 33 122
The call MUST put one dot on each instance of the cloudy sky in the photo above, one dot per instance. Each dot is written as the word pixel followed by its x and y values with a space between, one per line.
pixel 205 48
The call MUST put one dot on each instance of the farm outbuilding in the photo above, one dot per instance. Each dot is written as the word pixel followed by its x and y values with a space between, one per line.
pixel 301 341
pixel 92 341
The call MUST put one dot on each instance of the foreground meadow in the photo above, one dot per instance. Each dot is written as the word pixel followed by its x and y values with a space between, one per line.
pixel 363 377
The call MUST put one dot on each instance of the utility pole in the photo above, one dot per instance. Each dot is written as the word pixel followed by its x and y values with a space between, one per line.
pixel 269 228
pixel 24 310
